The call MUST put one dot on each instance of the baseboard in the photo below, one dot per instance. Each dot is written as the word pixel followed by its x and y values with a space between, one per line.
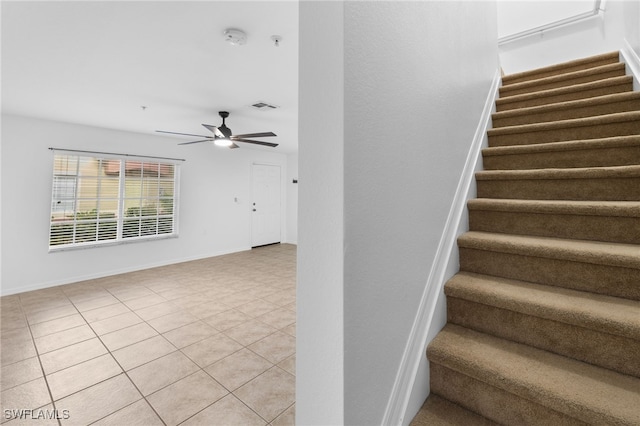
pixel 398 410
pixel 71 280
pixel 632 61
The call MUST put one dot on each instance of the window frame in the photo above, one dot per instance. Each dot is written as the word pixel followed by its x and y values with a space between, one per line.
pixel 121 210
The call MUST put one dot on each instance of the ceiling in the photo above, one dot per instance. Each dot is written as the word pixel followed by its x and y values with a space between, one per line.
pixel 100 63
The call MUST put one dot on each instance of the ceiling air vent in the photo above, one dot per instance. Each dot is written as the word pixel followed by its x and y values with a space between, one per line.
pixel 263 106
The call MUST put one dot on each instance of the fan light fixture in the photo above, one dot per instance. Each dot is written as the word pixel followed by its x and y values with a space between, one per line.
pixel 223 142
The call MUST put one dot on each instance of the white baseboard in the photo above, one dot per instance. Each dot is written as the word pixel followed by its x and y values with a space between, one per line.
pixel 74 279
pixel 398 411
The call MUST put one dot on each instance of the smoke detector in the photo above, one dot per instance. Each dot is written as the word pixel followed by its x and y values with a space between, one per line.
pixel 235 36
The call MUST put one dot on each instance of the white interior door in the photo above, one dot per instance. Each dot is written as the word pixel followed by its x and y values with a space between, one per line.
pixel 265 219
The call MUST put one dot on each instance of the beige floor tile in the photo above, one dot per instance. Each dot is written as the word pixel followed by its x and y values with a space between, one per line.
pixel 15 335
pixel 269 394
pixel 250 332
pixel 288 418
pixel 50 314
pixel 99 401
pixel 137 414
pixel 278 318
pixel 14 351
pixel 289 364
pixel 81 376
pixel 162 372
pixel 257 307
pixel 226 320
pixel 155 311
pixel 58 340
pixel 281 297
pixel 290 330
pixel 99 302
pixel 228 411
pixel 144 302
pixel 33 394
pixel 56 325
pixel 211 349
pixel 190 334
pixel 84 291
pixel 11 322
pixel 238 369
pixel 20 372
pixel 142 352
pixel 131 292
pixel 275 347
pixel 71 355
pixel 169 322
pixel 118 322
pixel 208 309
pixel 183 399
pixel 237 299
pixel 128 336
pixel 105 312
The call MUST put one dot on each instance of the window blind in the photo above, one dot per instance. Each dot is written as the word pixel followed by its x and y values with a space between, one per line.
pixel 101 198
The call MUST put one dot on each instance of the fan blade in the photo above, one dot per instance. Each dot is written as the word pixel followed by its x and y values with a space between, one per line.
pixel 214 130
pixel 273 145
pixel 233 146
pixel 255 135
pixel 183 134
pixel 203 140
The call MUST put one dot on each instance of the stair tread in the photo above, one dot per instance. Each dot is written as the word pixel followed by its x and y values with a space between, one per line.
pixel 567 207
pixel 558 106
pixel 584 251
pixel 568 89
pixel 560 77
pixel 564 173
pixel 580 390
pixel 563 124
pixel 607 314
pixel 438 411
pixel 610 142
pixel 613 56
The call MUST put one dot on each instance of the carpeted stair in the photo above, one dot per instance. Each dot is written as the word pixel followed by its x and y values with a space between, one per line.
pixel 544 316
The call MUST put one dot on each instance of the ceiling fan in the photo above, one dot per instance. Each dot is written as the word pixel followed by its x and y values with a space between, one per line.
pixel 222 135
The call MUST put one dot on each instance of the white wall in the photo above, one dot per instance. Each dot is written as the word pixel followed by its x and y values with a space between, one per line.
pixel 605 33
pixel 383 170
pixel 210 221
pixel 319 327
pixel 292 199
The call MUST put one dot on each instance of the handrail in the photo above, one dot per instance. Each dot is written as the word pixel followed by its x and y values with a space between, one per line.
pixel 598 8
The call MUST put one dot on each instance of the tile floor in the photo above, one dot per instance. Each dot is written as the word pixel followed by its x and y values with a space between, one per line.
pixel 208 342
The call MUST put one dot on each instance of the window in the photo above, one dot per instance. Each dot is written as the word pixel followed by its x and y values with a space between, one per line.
pixel 106 199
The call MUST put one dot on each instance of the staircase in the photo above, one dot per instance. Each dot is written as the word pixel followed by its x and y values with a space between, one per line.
pixel 544 315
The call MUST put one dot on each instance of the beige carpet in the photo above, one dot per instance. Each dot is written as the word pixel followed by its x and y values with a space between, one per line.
pixel 544 315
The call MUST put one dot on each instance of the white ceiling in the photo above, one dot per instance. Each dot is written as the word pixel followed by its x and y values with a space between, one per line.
pixel 98 63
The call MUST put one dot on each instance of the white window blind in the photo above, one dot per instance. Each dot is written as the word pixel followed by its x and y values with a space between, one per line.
pixel 100 199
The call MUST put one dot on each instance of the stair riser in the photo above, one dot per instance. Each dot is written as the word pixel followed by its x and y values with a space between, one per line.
pixel 493 403
pixel 604 189
pixel 600 279
pixel 569 113
pixel 600 130
pixel 578 227
pixel 509 90
pixel 597 157
pixel 580 343
pixel 511 79
pixel 543 99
